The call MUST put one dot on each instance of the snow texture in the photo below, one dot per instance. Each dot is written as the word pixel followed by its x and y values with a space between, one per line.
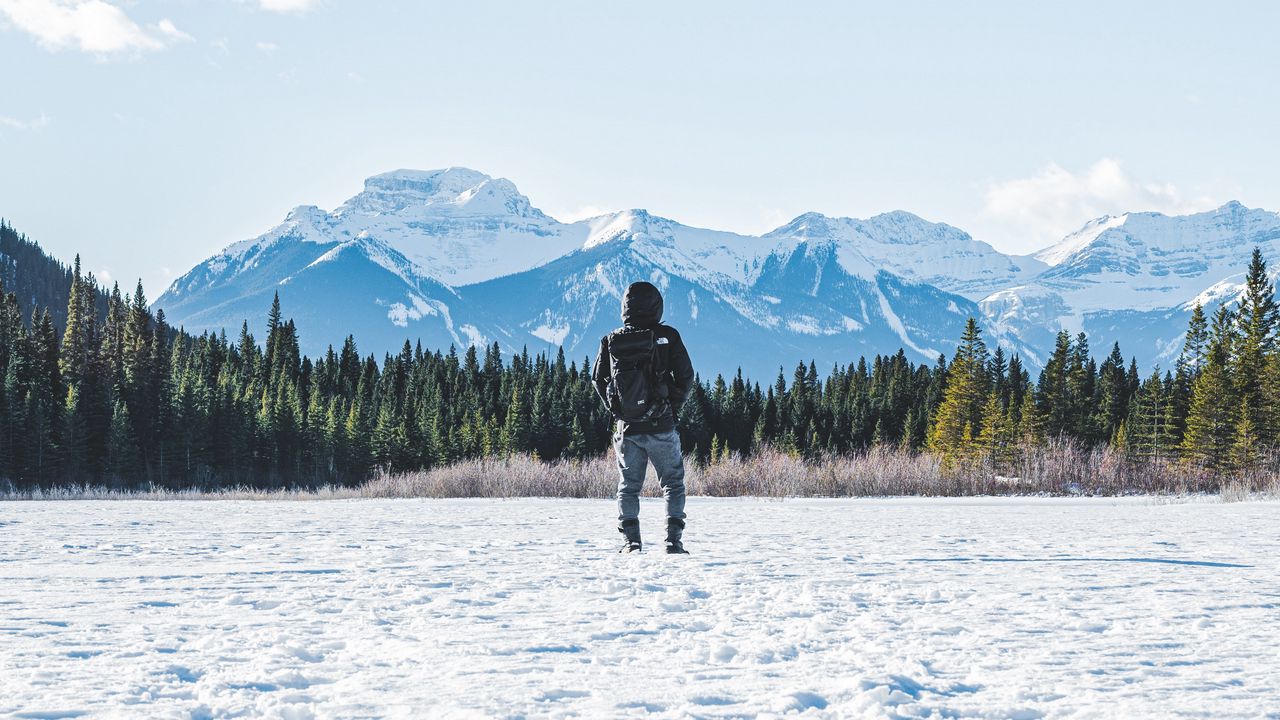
pixel 999 608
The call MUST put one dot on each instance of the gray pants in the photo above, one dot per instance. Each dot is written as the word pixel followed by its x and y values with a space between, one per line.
pixel 634 453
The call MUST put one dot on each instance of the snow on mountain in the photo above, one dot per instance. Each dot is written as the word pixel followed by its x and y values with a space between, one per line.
pixel 915 249
pixel 1146 261
pixel 1133 278
pixel 458 225
pixel 457 257
pixel 1078 240
pixel 743 301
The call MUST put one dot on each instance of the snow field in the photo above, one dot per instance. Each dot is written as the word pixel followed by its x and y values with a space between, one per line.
pixel 1000 608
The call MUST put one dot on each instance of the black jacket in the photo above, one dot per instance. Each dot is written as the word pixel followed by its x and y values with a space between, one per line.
pixel 642 308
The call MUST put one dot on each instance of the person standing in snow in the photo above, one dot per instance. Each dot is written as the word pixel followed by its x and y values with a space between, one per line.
pixel 643 376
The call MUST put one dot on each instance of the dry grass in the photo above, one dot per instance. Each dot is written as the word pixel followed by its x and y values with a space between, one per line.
pixel 1058 469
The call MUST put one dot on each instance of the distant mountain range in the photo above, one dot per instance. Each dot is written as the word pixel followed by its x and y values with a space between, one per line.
pixel 455 257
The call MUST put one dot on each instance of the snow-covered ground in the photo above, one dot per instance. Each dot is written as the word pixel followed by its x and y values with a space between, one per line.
pixel 1001 608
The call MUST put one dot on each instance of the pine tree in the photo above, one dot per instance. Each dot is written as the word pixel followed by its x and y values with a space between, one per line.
pixel 1256 323
pixel 577 447
pixel 1113 395
pixel 1246 454
pixel 996 441
pixel 1054 400
pixel 959 417
pixel 123 460
pixel 1147 434
pixel 1030 426
pixel 1211 421
pixel 1120 440
pixel 1196 343
pixel 517 432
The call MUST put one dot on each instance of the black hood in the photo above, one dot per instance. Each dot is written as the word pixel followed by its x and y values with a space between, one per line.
pixel 642 305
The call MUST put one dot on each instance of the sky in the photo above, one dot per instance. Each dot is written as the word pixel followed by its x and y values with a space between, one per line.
pixel 146 135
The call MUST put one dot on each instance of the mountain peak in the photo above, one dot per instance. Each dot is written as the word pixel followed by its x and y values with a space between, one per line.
pixel 628 224
pixel 455 179
pixel 1164 231
pixel 454 191
pixel 304 212
pixel 806 226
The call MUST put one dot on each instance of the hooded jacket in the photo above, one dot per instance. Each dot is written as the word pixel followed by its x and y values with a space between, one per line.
pixel 642 308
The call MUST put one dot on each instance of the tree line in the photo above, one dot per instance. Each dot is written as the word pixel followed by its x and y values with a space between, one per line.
pixel 1218 408
pixel 114 396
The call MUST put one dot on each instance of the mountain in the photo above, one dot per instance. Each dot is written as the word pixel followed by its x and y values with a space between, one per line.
pixel 916 249
pixel 38 280
pixel 1134 278
pixel 456 257
pixel 458 225
pixel 742 301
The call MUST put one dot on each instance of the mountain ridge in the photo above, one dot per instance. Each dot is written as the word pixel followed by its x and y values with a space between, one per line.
pixel 457 256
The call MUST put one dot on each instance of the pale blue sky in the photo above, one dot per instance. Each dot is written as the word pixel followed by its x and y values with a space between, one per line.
pixel 149 134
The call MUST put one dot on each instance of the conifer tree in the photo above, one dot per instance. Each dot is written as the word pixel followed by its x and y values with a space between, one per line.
pixel 959 417
pixel 1053 396
pixel 577 447
pixel 995 443
pixel 517 433
pixel 1256 322
pixel 1196 342
pixel 1211 420
pixel 1246 447
pixel 1146 427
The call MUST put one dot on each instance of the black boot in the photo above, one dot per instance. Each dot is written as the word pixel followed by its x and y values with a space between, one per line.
pixel 675 528
pixel 630 530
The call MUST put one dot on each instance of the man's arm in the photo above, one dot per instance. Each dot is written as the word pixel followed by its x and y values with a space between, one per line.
pixel 681 372
pixel 600 373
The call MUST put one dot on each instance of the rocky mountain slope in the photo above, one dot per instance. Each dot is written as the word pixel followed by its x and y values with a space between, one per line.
pixel 455 257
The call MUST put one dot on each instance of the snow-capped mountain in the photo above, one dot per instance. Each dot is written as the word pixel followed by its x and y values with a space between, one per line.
pixel 1148 260
pixel 459 225
pixel 740 300
pixel 456 225
pixel 915 249
pixel 1134 278
pixel 456 257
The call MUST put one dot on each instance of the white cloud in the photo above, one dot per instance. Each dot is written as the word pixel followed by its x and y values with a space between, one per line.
pixel 165 27
pixel 1033 212
pixel 92 26
pixel 288 6
pixel 20 124
pixel 268 47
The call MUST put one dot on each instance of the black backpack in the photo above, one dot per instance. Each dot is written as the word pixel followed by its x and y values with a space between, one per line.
pixel 635 389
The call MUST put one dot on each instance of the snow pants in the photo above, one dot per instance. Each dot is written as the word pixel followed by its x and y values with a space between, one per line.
pixel 635 452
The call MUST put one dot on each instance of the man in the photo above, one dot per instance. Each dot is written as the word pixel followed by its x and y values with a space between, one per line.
pixel 643 375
